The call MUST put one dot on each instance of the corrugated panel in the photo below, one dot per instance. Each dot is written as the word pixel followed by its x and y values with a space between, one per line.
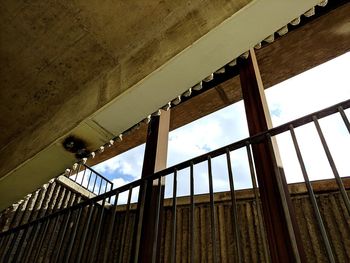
pixel 115 239
pixel 333 211
pixel 249 234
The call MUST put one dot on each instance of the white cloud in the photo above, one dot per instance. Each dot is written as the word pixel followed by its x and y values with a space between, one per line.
pixel 128 163
pixel 118 182
pixel 206 134
pixel 338 141
pixel 123 197
pixel 312 90
pixel 308 92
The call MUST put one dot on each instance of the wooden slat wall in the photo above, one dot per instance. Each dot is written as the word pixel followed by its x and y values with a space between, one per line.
pixel 111 243
pixel 333 211
pixel 49 198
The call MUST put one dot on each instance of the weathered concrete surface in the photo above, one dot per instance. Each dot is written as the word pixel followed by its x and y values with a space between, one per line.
pixel 186 112
pixel 63 61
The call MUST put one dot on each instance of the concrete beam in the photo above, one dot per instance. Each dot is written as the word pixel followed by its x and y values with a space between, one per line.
pixel 90 76
pixel 327 36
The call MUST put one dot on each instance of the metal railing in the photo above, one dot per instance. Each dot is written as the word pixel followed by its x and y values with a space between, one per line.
pixel 90 179
pixel 94 225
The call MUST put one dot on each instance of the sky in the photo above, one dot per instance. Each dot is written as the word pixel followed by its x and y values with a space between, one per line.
pixel 313 90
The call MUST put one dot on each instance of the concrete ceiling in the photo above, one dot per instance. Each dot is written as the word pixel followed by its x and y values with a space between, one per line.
pixel 95 68
pixel 328 36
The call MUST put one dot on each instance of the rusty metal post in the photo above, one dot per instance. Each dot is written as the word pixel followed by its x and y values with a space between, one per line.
pixel 282 230
pixel 151 195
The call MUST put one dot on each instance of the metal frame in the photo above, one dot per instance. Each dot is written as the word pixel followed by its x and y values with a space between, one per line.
pixel 70 213
pixel 82 168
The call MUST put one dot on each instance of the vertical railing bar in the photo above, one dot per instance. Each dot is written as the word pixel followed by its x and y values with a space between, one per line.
pixel 82 179
pixel 85 231
pixel 87 187
pixel 14 239
pixel 11 225
pixel 28 253
pixel 55 226
pixel 55 199
pixel 4 240
pixel 41 240
pixel 7 253
pixel 20 222
pixel 25 231
pixel 99 189
pixel 345 119
pixel 109 199
pixel 156 224
pixel 93 189
pixel 24 235
pixel 234 206
pixel 96 236
pixel 192 222
pixel 312 196
pixel 51 236
pixel 332 164
pixel 2 243
pixel 23 248
pixel 106 187
pixel 73 236
pixel 75 176
pixel 111 227
pixel 13 220
pixel 212 210
pixel 126 222
pixel 257 202
pixel 31 216
pixel 140 220
pixel 110 230
pixel 71 200
pixel 77 172
pixel 48 194
pixel 7 245
pixel 70 173
pixel 60 238
pixel 46 226
pixel 173 221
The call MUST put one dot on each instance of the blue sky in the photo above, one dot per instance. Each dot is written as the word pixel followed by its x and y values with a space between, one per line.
pixel 310 91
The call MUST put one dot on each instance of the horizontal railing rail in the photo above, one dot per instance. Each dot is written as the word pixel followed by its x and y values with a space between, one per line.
pixel 81 216
pixel 340 107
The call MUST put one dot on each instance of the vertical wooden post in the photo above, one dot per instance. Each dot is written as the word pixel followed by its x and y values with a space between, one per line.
pixel 155 159
pixel 282 230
